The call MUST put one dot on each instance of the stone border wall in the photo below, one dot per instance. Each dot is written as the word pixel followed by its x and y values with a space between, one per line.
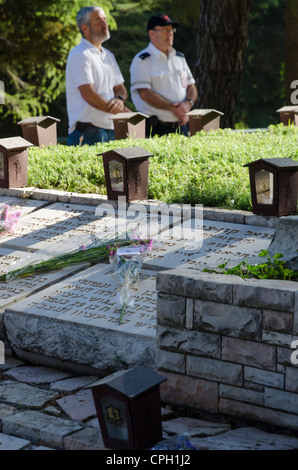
pixel 225 345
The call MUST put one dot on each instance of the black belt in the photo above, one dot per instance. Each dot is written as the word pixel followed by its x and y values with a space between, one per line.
pixel 154 122
pixel 81 126
pixel 171 124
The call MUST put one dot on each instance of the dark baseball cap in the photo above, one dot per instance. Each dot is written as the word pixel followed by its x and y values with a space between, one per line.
pixel 160 19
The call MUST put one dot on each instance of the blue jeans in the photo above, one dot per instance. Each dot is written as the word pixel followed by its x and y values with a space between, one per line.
pixel 91 135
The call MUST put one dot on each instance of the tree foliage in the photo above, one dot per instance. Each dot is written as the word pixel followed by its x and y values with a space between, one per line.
pixel 35 39
pixel 262 91
pixel 222 42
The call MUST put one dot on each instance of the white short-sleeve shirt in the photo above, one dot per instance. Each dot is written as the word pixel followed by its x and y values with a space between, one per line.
pixel 86 64
pixel 168 76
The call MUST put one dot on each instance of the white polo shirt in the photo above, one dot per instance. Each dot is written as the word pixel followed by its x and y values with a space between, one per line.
pixel 167 76
pixel 86 64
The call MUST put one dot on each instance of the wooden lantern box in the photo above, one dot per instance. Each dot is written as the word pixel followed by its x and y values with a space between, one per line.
pixel 274 186
pixel 128 408
pixel 288 115
pixel 129 125
pixel 203 120
pixel 126 173
pixel 14 162
pixel 40 130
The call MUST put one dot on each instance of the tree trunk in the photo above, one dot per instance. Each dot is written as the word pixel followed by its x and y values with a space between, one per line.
pixel 291 62
pixel 222 41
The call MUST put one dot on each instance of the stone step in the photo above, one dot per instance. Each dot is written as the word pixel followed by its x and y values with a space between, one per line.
pixel 39 428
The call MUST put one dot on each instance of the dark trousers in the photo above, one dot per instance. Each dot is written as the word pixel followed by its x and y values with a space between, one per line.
pixel 90 135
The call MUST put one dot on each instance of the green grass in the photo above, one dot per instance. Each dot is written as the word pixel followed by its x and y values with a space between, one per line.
pixel 204 169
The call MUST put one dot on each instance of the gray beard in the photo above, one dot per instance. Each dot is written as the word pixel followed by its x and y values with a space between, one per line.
pixel 101 37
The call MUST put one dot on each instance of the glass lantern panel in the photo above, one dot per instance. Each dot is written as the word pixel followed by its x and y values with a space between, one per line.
pixel 115 418
pixel 116 175
pixel 1 166
pixel 264 187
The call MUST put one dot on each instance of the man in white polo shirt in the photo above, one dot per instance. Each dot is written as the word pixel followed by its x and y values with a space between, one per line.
pixel 95 87
pixel 162 85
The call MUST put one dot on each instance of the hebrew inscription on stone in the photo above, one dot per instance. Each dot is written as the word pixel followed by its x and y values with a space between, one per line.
pixel 90 298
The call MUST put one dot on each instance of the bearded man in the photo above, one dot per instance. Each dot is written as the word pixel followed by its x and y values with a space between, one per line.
pixel 95 87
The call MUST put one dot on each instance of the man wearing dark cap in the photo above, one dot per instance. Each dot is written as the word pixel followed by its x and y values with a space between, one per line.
pixel 162 86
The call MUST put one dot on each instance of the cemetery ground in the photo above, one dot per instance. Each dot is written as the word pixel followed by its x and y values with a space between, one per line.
pixel 223 344
pixel 61 333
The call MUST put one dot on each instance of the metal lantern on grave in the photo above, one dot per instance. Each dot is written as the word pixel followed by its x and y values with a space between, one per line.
pixel 129 125
pixel 288 115
pixel 274 186
pixel 126 173
pixel 14 162
pixel 203 119
pixel 128 408
pixel 40 130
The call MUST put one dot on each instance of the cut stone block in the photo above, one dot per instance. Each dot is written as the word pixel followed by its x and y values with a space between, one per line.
pixel 18 288
pixel 86 439
pixel 10 362
pixel 79 406
pixel 285 241
pixel 36 375
pixel 24 395
pixel 12 443
pixel 40 428
pixel 73 384
pixel 24 205
pixel 222 242
pixel 72 321
pixel 6 410
pixel 246 439
pixel 61 226
pixel 194 427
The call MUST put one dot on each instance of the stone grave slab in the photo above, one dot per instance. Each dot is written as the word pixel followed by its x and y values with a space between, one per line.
pixel 40 428
pixel 36 375
pixel 25 205
pixel 16 289
pixel 74 383
pixel 285 241
pixel 12 443
pixel 79 406
pixel 22 394
pixel 86 439
pixel 77 320
pixel 61 226
pixel 246 439
pixel 222 242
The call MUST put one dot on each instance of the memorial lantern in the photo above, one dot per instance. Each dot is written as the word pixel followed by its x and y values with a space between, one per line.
pixel 288 115
pixel 14 162
pixel 126 173
pixel 40 130
pixel 203 119
pixel 128 408
pixel 274 186
pixel 131 125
